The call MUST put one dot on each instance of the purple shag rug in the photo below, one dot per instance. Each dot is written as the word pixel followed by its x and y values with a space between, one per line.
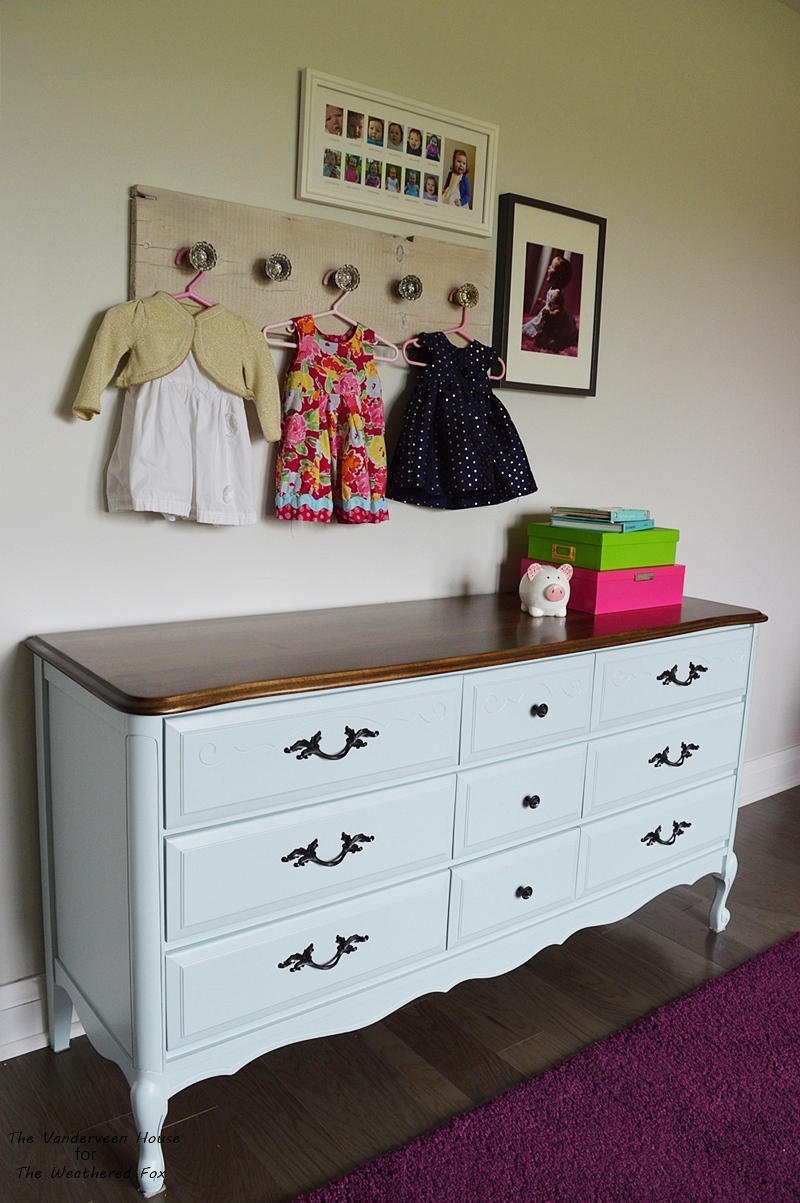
pixel 698 1102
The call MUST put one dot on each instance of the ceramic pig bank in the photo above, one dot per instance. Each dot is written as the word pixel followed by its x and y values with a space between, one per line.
pixel 544 590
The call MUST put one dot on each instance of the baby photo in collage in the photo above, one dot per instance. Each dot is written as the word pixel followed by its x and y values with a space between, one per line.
pixel 387 152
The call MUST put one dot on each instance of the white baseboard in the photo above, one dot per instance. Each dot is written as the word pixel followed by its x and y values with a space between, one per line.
pixel 23 1018
pixel 23 1023
pixel 767 775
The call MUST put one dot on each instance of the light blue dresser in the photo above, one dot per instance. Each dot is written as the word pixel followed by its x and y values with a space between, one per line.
pixel 263 829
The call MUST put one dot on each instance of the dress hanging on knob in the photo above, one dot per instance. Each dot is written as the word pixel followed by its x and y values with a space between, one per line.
pixel 458 447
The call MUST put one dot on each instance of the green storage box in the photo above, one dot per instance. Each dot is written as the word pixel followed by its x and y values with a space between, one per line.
pixel 601 549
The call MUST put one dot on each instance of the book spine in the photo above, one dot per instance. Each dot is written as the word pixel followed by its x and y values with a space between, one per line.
pixel 602 524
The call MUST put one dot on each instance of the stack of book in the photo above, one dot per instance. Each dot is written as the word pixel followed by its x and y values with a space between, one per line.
pixel 620 559
pixel 603 520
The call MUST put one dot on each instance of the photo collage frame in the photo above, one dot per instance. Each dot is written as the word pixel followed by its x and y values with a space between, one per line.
pixel 369 150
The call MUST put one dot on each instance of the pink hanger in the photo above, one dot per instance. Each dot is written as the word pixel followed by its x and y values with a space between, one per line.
pixel 461 329
pixel 190 294
pixel 334 311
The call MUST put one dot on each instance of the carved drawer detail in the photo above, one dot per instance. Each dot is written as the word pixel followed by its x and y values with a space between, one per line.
pixel 268 753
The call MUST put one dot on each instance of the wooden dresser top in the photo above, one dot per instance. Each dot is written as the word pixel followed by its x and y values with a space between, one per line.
pixel 169 668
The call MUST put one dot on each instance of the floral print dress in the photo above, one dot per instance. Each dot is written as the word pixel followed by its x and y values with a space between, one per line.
pixel 332 454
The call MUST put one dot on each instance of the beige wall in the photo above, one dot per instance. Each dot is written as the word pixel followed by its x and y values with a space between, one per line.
pixel 677 121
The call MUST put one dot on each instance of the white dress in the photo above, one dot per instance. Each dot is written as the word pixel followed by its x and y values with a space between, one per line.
pixel 183 451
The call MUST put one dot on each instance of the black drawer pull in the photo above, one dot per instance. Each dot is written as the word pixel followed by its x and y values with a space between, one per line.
pixel 297 960
pixel 654 837
pixel 310 747
pixel 531 800
pixel 663 757
pixel 669 677
pixel 350 843
pixel 539 711
pixel 524 892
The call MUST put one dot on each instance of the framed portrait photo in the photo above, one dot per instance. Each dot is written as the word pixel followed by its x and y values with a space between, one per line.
pixel 548 286
pixel 360 148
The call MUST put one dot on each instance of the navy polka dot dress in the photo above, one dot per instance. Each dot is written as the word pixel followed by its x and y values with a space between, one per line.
pixel 458 447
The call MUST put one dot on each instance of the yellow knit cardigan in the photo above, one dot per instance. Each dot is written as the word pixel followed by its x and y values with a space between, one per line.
pixel 158 332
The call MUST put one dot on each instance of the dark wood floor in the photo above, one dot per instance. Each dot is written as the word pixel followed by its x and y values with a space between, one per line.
pixel 305 1114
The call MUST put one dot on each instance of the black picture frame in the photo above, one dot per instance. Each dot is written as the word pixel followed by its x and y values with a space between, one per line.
pixel 547 312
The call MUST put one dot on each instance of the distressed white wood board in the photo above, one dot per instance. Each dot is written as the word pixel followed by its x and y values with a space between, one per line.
pixel 244 236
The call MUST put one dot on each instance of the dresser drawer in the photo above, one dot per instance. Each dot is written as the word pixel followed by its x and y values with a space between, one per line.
pixel 512 887
pixel 670 674
pixel 223 985
pixel 238 871
pixel 626 768
pixel 518 798
pixel 239 760
pixel 645 840
pixel 511 709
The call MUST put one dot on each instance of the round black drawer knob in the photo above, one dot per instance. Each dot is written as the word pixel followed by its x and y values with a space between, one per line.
pixel 524 891
pixel 539 711
pixel 531 800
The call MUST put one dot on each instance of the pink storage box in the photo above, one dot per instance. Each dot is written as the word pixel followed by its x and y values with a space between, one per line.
pixel 623 588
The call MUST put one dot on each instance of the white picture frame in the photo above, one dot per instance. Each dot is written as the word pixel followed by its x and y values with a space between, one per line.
pixel 385 162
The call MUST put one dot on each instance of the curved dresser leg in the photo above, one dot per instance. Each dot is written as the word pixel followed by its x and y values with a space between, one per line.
pixel 149 1102
pixel 720 914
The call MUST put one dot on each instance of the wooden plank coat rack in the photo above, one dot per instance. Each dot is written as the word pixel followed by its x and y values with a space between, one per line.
pixel 244 237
